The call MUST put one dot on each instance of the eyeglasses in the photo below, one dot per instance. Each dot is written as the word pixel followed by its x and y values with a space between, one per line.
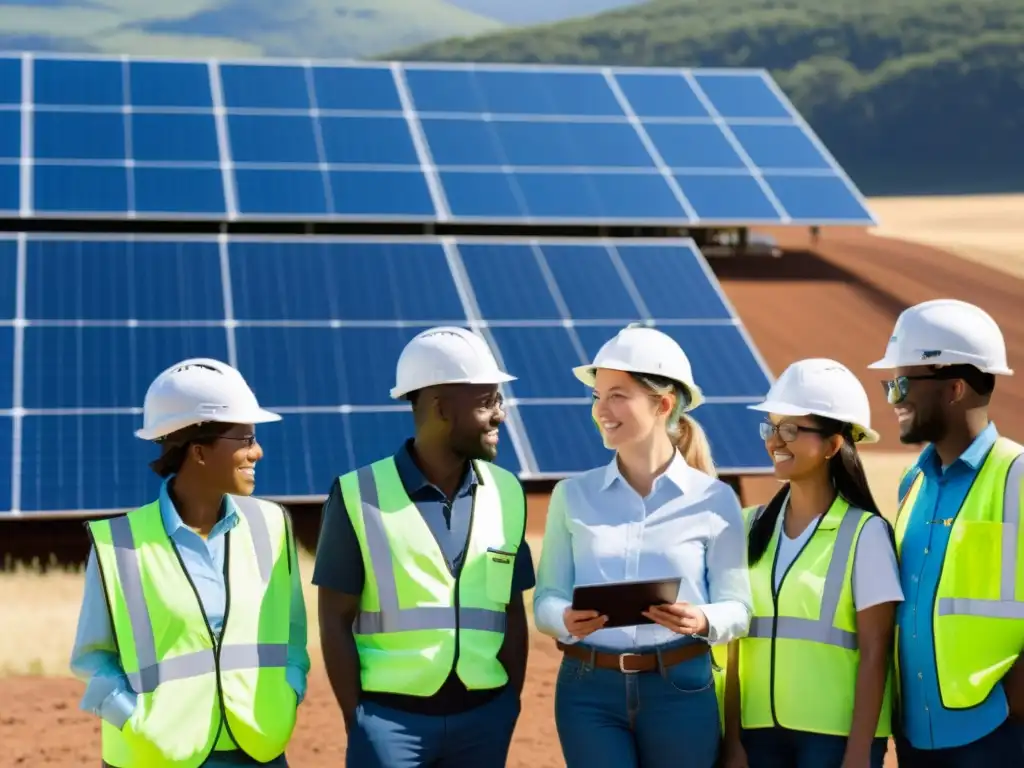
pixel 787 431
pixel 896 390
pixel 249 440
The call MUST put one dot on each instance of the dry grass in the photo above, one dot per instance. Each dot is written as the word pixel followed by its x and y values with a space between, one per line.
pixel 985 229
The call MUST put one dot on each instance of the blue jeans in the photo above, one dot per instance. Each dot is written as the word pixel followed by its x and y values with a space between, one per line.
pixel 785 748
pixel 381 737
pixel 1003 747
pixel 662 719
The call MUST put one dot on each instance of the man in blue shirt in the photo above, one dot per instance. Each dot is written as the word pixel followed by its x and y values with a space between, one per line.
pixel 451 378
pixel 945 356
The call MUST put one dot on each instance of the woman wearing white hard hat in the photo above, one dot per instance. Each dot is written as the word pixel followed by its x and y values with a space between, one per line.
pixel 192 634
pixel 640 691
pixel 810 684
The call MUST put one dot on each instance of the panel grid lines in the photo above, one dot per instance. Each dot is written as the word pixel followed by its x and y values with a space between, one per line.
pixel 559 299
pixel 18 374
pixel 313 140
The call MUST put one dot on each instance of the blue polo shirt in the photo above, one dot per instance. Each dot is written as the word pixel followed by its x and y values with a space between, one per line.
pixel 926 723
pixel 339 565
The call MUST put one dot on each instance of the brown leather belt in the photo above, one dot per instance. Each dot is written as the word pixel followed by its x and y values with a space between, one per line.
pixel 631 663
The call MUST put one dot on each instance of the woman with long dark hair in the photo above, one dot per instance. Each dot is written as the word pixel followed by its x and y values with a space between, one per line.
pixel 810 684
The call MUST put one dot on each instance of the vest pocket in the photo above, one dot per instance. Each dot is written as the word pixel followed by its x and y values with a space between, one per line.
pixel 499 575
pixel 978 549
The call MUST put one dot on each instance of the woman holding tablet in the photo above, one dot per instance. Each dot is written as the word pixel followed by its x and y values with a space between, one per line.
pixel 643 696
pixel 810 684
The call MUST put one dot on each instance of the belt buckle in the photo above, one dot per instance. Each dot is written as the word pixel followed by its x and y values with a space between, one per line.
pixel 622 669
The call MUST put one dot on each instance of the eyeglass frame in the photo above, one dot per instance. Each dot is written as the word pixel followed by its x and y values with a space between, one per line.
pixel 893 384
pixel 768 430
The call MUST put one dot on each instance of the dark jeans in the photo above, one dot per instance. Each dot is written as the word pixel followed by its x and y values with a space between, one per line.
pixel 1003 747
pixel 665 719
pixel 785 748
pixel 382 737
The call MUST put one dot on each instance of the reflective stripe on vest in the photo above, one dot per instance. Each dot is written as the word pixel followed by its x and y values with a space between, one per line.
pixel 975 645
pixel 391 618
pixel 187 684
pixel 800 671
pixel 414 612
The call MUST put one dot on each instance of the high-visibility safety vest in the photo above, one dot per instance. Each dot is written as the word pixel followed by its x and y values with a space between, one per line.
pixel 196 694
pixel 415 615
pixel 798 663
pixel 978 610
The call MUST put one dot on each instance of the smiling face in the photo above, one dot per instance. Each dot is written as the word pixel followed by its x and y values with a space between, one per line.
pixel 798 446
pixel 626 411
pixel 473 413
pixel 228 462
pixel 918 400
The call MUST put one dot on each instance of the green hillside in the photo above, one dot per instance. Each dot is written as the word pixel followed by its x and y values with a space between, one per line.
pixel 912 96
pixel 306 28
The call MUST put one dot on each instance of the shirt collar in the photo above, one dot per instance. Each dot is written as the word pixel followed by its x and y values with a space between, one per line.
pixel 415 481
pixel 678 473
pixel 172 520
pixel 973 457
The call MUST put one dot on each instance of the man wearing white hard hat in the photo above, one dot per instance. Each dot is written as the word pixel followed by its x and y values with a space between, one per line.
pixel 960 536
pixel 811 683
pixel 642 694
pixel 421 567
pixel 192 635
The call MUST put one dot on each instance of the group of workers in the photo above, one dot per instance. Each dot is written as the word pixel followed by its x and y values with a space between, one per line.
pixel 805 633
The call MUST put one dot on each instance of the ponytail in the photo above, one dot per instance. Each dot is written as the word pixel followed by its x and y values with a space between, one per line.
pixel 693 443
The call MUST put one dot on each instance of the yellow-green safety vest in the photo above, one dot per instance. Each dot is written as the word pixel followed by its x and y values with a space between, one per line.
pixel 798 663
pixel 196 694
pixel 978 611
pixel 414 612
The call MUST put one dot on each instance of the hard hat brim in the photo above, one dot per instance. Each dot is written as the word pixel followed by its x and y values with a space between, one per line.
pixel 258 416
pixel 863 434
pixel 397 393
pixel 588 375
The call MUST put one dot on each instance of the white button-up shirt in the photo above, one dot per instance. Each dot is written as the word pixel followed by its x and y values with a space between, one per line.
pixel 600 530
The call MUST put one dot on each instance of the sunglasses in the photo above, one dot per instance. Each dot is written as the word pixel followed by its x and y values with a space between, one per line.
pixel 787 431
pixel 896 390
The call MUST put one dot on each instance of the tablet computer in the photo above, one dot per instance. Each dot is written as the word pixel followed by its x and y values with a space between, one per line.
pixel 623 602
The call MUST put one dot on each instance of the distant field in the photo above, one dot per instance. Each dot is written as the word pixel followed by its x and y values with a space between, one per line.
pixel 988 230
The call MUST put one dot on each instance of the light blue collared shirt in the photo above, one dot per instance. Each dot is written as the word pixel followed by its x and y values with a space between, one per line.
pixel 600 530
pixel 926 723
pixel 94 658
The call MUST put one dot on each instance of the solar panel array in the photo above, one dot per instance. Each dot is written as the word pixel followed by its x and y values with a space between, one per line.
pixel 315 327
pixel 316 324
pixel 151 139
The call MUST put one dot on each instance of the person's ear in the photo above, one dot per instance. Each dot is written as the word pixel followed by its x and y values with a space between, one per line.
pixel 835 444
pixel 957 391
pixel 198 453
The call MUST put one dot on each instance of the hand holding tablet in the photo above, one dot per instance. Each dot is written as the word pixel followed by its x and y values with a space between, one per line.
pixel 624 604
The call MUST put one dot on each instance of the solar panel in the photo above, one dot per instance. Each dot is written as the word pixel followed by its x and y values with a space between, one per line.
pixel 316 326
pixel 147 138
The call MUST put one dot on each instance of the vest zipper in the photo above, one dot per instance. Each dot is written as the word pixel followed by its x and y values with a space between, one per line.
pixel 213 638
pixel 775 601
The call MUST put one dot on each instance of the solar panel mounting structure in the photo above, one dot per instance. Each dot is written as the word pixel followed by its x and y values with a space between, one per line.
pixel 107 140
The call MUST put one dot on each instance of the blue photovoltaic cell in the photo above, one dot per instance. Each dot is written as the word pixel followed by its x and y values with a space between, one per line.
pixel 352 281
pixel 661 95
pixel 179 191
pixel 5 466
pixel 779 146
pixel 10 187
pixel 80 188
pixel 79 136
pixel 273 139
pixel 368 140
pixel 78 82
pixel 104 367
pixel 503 92
pixel 743 96
pixel 816 197
pixel 8 277
pixel 727 198
pixel 694 145
pixel 398 194
pixel 287 193
pixel 10 80
pixel 182 138
pixel 356 88
pixel 10 135
pixel 119 279
pixel 166 84
pixel 319 326
pixel 264 86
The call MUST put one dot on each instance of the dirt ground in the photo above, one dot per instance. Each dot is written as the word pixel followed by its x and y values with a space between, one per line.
pixel 839 303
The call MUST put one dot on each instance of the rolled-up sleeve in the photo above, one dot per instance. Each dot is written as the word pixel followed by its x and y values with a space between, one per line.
pixel 730 604
pixel 555 571
pixel 94 658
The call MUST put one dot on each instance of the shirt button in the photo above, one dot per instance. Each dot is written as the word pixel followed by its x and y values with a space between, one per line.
pixel 913 578
pixel 920 676
pixel 926 550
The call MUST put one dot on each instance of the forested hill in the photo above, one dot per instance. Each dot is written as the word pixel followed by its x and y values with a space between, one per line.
pixel 912 96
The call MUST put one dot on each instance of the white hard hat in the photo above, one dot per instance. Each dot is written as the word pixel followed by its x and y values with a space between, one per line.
pixel 195 391
pixel 445 355
pixel 946 332
pixel 639 349
pixel 821 387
